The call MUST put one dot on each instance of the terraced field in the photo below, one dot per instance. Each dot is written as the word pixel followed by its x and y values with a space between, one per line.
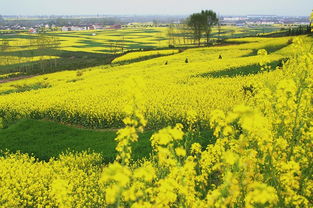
pixel 95 97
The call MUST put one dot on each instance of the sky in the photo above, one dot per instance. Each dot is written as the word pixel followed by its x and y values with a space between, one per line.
pixel 155 7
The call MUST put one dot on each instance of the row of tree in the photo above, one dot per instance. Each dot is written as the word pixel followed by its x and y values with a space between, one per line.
pixel 192 30
pixel 202 23
pixel 300 30
pixel 199 25
pixel 39 45
pixel 40 41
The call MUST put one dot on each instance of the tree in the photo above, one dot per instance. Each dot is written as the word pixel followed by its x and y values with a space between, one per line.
pixel 202 23
pixel 173 36
pixel 219 28
pixel 183 32
pixel 209 20
pixel 195 22
pixel 155 23
pixel 311 21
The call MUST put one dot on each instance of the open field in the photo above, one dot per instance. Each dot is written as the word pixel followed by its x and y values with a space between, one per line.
pixel 110 41
pixel 28 54
pixel 227 125
pixel 95 97
pixel 137 56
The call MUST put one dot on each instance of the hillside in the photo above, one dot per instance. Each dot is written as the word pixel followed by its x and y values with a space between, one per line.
pixel 95 97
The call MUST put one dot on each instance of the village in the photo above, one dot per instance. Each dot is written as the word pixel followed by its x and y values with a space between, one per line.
pixel 74 28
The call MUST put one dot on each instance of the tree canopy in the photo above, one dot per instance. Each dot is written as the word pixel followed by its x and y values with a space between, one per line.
pixel 202 23
pixel 311 21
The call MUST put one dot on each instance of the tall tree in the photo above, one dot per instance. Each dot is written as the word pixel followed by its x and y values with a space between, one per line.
pixel 311 21
pixel 195 22
pixel 209 20
pixel 171 35
pixel 202 23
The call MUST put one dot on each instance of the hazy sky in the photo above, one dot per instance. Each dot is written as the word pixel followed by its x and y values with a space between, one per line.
pixel 224 7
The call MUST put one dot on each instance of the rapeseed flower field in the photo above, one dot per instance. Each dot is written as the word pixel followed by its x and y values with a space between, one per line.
pixel 261 157
pixel 95 97
pixel 143 54
pixel 255 94
pixel 10 60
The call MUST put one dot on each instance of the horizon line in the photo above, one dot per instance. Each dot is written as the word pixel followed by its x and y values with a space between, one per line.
pixel 170 15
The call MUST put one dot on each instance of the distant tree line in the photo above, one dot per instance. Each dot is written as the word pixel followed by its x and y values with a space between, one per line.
pixel 59 21
pixel 300 30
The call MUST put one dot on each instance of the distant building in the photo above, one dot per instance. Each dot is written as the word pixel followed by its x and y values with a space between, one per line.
pixel 65 28
pixel 82 27
pixel 91 27
pixel 265 23
pixel 32 31
pixel 114 27
pixel 234 18
pixel 74 28
pixel 78 28
pixel 98 27
pixel 240 25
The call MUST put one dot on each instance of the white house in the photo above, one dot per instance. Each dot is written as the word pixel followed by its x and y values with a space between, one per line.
pixel 32 31
pixel 73 28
